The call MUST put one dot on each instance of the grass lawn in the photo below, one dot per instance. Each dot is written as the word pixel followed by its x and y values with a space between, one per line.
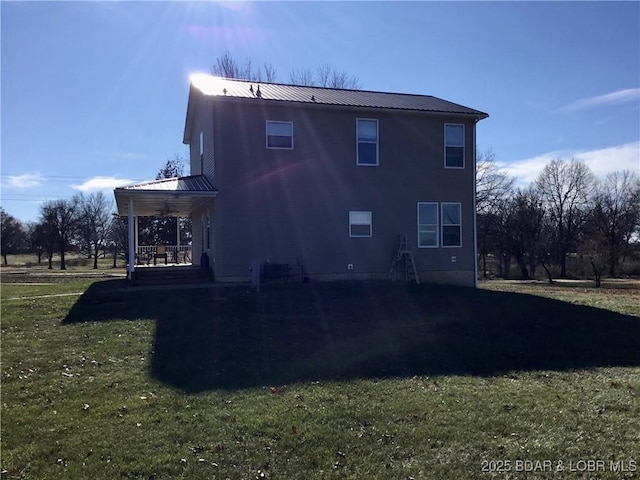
pixel 318 381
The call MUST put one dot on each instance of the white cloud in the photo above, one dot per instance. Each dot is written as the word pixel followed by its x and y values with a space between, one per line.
pixel 601 161
pixel 606 160
pixel 27 180
pixel 613 98
pixel 101 183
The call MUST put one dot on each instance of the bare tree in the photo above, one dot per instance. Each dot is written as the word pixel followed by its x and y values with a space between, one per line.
pixel 118 235
pixel 593 250
pixel 44 235
pixel 566 187
pixel 492 183
pixel 228 67
pixel 615 216
pixel 36 240
pixel 322 76
pixel 522 229
pixel 302 76
pixel 12 235
pixel 269 73
pixel 325 76
pixel 173 168
pixel 60 218
pixel 493 188
pixel 94 216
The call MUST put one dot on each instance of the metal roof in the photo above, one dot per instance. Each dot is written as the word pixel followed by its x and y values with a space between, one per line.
pixel 193 183
pixel 210 85
pixel 168 196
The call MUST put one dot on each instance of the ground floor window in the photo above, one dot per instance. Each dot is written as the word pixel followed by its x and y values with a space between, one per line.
pixel 439 224
pixel 427 224
pixel 451 225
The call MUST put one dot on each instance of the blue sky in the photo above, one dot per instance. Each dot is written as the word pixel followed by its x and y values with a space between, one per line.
pixel 94 94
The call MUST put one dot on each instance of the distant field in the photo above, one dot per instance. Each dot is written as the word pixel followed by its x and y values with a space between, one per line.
pixel 341 380
pixel 73 262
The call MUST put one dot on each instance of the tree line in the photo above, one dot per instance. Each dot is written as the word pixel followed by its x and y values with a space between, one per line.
pixel 83 224
pixel 565 213
pixel 324 75
pixel 88 225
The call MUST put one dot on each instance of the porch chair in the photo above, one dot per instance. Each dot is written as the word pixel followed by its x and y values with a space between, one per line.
pixel 161 252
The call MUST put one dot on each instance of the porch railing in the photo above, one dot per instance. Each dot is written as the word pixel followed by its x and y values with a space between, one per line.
pixel 175 254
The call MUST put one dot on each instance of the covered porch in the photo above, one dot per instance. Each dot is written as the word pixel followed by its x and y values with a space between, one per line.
pixel 167 254
pixel 177 197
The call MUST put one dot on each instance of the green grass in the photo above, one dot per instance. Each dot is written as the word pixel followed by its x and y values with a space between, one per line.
pixel 317 381
pixel 615 294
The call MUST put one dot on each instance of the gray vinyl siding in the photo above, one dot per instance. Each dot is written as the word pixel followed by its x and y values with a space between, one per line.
pixel 203 122
pixel 293 205
pixel 194 137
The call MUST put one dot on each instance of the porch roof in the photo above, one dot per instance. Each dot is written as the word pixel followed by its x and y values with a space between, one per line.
pixel 178 196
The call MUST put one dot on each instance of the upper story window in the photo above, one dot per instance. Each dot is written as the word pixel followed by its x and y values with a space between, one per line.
pixel 360 224
pixel 367 149
pixel 453 145
pixel 451 225
pixel 280 135
pixel 427 224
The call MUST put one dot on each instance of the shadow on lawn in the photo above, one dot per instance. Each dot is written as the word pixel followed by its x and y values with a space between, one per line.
pixel 235 338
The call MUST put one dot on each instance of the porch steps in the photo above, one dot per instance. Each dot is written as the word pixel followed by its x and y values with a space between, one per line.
pixel 171 275
pixel 404 262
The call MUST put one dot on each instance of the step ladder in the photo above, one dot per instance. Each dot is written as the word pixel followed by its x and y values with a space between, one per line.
pixel 403 262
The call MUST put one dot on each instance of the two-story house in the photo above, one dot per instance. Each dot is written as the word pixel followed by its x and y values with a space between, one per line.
pixel 324 180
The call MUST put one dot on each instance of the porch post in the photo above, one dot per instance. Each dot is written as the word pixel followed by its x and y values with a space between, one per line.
pixel 136 228
pixel 178 233
pixel 132 238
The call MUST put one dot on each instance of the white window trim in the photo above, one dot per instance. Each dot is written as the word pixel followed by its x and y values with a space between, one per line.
pixel 463 146
pixel 369 224
pixel 437 224
pixel 266 132
pixel 377 142
pixel 442 224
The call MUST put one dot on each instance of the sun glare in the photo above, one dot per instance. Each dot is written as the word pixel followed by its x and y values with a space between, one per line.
pixel 206 83
pixel 234 4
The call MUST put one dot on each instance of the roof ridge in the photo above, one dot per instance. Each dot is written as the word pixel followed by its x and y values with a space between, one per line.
pixel 319 87
pixel 215 86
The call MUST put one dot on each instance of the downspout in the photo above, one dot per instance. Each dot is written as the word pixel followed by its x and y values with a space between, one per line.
pixel 475 213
